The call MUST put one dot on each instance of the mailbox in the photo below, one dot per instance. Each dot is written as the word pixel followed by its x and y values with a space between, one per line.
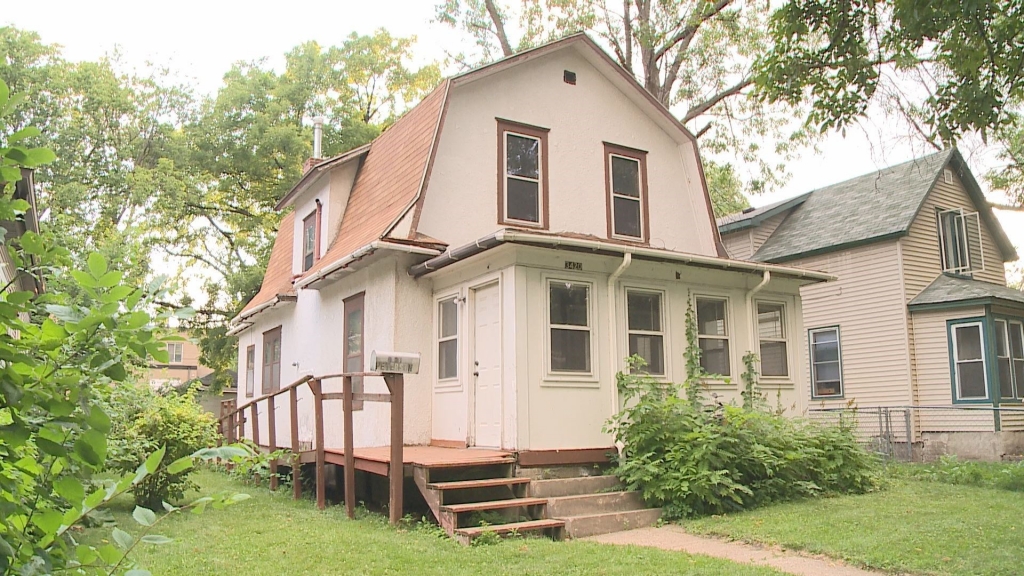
pixel 395 362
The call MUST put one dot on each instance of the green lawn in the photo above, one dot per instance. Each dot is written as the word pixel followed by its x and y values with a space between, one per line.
pixel 913 526
pixel 272 534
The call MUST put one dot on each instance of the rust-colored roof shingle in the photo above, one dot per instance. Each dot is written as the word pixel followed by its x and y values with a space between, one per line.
pixel 278 279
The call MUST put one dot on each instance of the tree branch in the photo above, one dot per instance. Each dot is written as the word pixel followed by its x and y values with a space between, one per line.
pixel 688 31
pixel 499 27
pixel 711 102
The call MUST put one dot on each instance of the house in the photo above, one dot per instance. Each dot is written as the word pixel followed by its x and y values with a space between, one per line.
pixel 920 316
pixel 525 228
pixel 182 366
pixel 10 276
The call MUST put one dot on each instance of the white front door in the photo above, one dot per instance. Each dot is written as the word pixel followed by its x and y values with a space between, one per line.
pixel 487 366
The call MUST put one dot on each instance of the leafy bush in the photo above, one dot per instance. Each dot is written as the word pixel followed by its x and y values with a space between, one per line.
pixel 143 422
pixel 694 459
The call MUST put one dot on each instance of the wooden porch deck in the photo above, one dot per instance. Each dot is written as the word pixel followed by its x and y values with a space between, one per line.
pixel 377 460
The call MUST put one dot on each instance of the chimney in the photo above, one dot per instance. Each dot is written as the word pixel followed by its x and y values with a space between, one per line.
pixel 318 136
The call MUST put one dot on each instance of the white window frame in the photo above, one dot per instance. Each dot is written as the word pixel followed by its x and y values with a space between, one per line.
pixel 589 379
pixel 1017 385
pixel 964 222
pixel 839 358
pixel 638 199
pixel 957 361
pixel 309 247
pixel 175 350
pixel 456 381
pixel 541 192
pixel 1004 326
pixel 664 333
pixel 785 337
pixel 250 371
pixel 729 331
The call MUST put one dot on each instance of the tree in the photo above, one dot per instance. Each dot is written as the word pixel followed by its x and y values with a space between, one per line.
pixel 694 56
pixel 725 189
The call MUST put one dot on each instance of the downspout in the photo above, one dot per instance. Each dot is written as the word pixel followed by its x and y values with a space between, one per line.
pixel 613 332
pixel 750 306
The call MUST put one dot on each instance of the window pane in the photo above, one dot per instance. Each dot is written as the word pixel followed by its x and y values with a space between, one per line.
pixel 773 359
pixel 643 310
pixel 714 356
pixel 827 388
pixel 448 359
pixel 968 342
pixel 569 303
pixel 310 242
pixel 354 338
pixel 307 261
pixel 627 216
pixel 1001 348
pixel 711 317
pixel 570 350
pixel 972 379
pixel 625 177
pixel 522 202
pixel 449 316
pixel 1017 341
pixel 1018 373
pixel 769 321
pixel 827 372
pixel 826 352
pixel 651 349
pixel 1005 379
pixel 522 156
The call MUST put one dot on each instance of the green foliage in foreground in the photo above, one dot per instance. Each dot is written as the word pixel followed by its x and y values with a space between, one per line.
pixel 913 526
pixel 952 470
pixel 143 422
pixel 272 534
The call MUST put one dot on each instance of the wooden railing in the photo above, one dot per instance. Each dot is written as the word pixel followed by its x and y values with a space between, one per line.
pixel 232 427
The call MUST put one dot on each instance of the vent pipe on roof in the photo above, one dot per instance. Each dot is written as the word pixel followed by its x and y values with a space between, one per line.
pixel 318 136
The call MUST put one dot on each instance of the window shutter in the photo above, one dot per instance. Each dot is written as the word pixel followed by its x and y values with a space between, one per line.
pixel 975 251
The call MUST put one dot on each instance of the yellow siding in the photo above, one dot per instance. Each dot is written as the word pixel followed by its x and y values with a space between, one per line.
pixel 934 385
pixel 867 304
pixel 922 259
pixel 739 244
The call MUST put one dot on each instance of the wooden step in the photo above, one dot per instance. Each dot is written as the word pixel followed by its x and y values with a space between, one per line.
pixel 494 505
pixel 467 534
pixel 470 484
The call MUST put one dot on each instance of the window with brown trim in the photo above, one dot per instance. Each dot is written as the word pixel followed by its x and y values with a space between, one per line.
pixel 250 370
pixel 626 188
pixel 271 361
pixel 522 174
pixel 309 241
pixel 354 332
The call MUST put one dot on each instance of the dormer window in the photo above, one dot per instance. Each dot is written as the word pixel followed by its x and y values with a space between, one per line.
pixel 522 158
pixel 960 241
pixel 309 241
pixel 626 188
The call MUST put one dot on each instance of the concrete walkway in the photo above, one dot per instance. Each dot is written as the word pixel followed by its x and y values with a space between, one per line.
pixel 672 537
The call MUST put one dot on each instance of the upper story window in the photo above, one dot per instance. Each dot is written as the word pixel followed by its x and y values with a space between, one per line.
pixel 771 336
pixel 309 248
pixel 523 162
pixel 713 335
pixel 960 241
pixel 626 183
pixel 826 363
pixel 175 351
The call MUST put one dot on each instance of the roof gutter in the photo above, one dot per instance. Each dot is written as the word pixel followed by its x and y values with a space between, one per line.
pixel 359 254
pixel 239 321
pixel 519 237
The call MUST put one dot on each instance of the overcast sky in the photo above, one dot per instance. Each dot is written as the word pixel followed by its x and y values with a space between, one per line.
pixel 202 39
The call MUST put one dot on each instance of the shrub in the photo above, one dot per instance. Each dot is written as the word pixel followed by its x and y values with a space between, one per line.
pixel 143 422
pixel 694 459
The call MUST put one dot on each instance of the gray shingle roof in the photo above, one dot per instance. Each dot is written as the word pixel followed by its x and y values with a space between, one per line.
pixel 948 289
pixel 755 216
pixel 868 207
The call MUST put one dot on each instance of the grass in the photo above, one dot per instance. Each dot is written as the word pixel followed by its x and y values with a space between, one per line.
pixel 921 527
pixel 272 534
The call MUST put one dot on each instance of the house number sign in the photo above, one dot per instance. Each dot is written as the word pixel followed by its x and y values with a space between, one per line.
pixel 570 265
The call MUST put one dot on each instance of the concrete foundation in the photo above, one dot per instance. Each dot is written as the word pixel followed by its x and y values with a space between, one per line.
pixel 983 446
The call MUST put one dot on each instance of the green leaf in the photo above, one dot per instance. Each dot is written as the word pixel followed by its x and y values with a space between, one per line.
pixel 50 447
pixel 5 548
pixel 84 280
pixel 153 462
pixel 156 539
pixel 169 508
pixel 180 465
pixel 91 447
pixel 33 243
pixel 123 539
pixel 27 132
pixel 240 497
pixel 110 279
pixel 109 554
pixel 144 516
pixel 48 521
pixel 40 156
pixel 5 94
pixel 98 420
pixel 96 498
pixel 97 265
pixel 70 489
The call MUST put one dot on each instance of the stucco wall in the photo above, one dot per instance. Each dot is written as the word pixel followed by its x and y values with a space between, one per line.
pixel 463 180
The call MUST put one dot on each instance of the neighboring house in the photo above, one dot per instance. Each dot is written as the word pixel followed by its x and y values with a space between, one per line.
pixel 525 227
pixel 10 277
pixel 921 315
pixel 182 365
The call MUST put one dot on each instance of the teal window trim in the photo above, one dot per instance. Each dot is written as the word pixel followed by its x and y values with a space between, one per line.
pixel 1011 322
pixel 987 357
pixel 810 356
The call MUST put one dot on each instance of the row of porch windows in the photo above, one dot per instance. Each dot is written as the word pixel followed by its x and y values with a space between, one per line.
pixel 570 332
pixel 969 361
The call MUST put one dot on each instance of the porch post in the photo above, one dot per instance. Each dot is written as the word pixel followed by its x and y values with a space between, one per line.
pixel 396 472
pixel 350 457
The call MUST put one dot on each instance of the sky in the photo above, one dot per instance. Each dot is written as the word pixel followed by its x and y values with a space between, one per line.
pixel 201 40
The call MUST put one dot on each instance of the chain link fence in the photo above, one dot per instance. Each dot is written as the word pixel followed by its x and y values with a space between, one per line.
pixel 916 433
